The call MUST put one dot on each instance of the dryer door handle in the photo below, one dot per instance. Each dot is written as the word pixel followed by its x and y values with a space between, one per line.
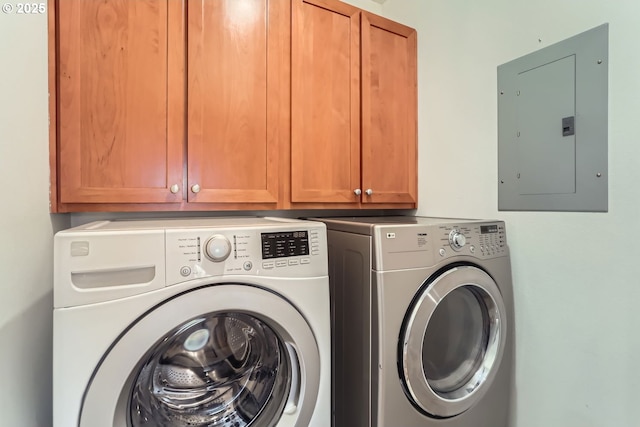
pixel 294 392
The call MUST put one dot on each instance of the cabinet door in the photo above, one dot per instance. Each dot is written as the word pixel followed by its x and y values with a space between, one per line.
pixel 389 111
pixel 120 101
pixel 325 110
pixel 238 99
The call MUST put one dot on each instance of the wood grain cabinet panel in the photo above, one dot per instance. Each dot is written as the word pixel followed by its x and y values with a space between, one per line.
pixel 119 117
pixel 325 114
pixel 238 99
pixel 389 111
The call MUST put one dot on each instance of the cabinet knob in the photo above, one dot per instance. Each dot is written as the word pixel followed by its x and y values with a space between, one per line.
pixel 174 188
pixel 357 191
pixel 369 192
pixel 195 188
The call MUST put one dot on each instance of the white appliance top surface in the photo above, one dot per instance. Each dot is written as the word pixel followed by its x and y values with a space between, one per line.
pixel 196 222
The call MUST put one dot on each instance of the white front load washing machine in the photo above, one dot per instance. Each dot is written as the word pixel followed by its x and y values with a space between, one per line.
pixel 422 314
pixel 192 322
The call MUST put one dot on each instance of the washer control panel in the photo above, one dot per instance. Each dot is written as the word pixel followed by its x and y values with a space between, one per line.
pixel 279 246
pixel 217 248
pixel 281 252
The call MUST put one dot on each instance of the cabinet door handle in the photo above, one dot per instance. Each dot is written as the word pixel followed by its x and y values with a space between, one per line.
pixel 174 188
pixel 369 192
pixel 195 188
pixel 357 191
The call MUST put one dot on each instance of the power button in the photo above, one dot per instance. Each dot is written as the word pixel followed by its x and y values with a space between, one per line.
pixel 185 271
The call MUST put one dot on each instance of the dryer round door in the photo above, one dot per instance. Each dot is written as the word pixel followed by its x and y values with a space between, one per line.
pixel 224 355
pixel 452 342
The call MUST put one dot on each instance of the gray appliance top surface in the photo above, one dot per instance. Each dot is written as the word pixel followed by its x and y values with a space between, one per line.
pixel 367 225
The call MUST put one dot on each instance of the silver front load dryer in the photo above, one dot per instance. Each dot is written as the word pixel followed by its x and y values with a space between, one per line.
pixel 422 321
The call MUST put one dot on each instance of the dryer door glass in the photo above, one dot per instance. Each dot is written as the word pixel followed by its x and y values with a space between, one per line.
pixel 455 341
pixel 452 341
pixel 222 369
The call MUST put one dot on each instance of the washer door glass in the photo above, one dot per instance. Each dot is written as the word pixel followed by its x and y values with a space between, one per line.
pixel 226 355
pixel 453 340
pixel 222 369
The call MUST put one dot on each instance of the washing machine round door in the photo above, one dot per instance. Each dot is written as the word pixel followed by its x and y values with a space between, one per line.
pixel 452 342
pixel 221 356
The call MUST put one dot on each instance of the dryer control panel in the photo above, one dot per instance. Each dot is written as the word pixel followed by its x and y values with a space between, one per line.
pixel 279 252
pixel 482 240
pixel 421 244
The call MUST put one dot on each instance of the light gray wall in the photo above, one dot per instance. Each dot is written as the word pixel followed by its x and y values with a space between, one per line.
pixel 576 288
pixel 26 228
pixel 372 6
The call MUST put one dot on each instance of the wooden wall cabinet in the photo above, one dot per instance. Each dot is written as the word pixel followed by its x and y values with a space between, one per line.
pixel 147 121
pixel 354 106
pixel 187 105
pixel 238 100
pixel 119 101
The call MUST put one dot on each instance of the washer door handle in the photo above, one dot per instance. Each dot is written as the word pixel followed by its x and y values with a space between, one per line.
pixel 294 392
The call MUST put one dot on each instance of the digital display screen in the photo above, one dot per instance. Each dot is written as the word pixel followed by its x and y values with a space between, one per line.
pixel 484 229
pixel 285 244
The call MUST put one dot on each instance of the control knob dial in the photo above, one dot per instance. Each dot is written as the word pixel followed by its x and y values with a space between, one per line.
pixel 217 248
pixel 457 240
